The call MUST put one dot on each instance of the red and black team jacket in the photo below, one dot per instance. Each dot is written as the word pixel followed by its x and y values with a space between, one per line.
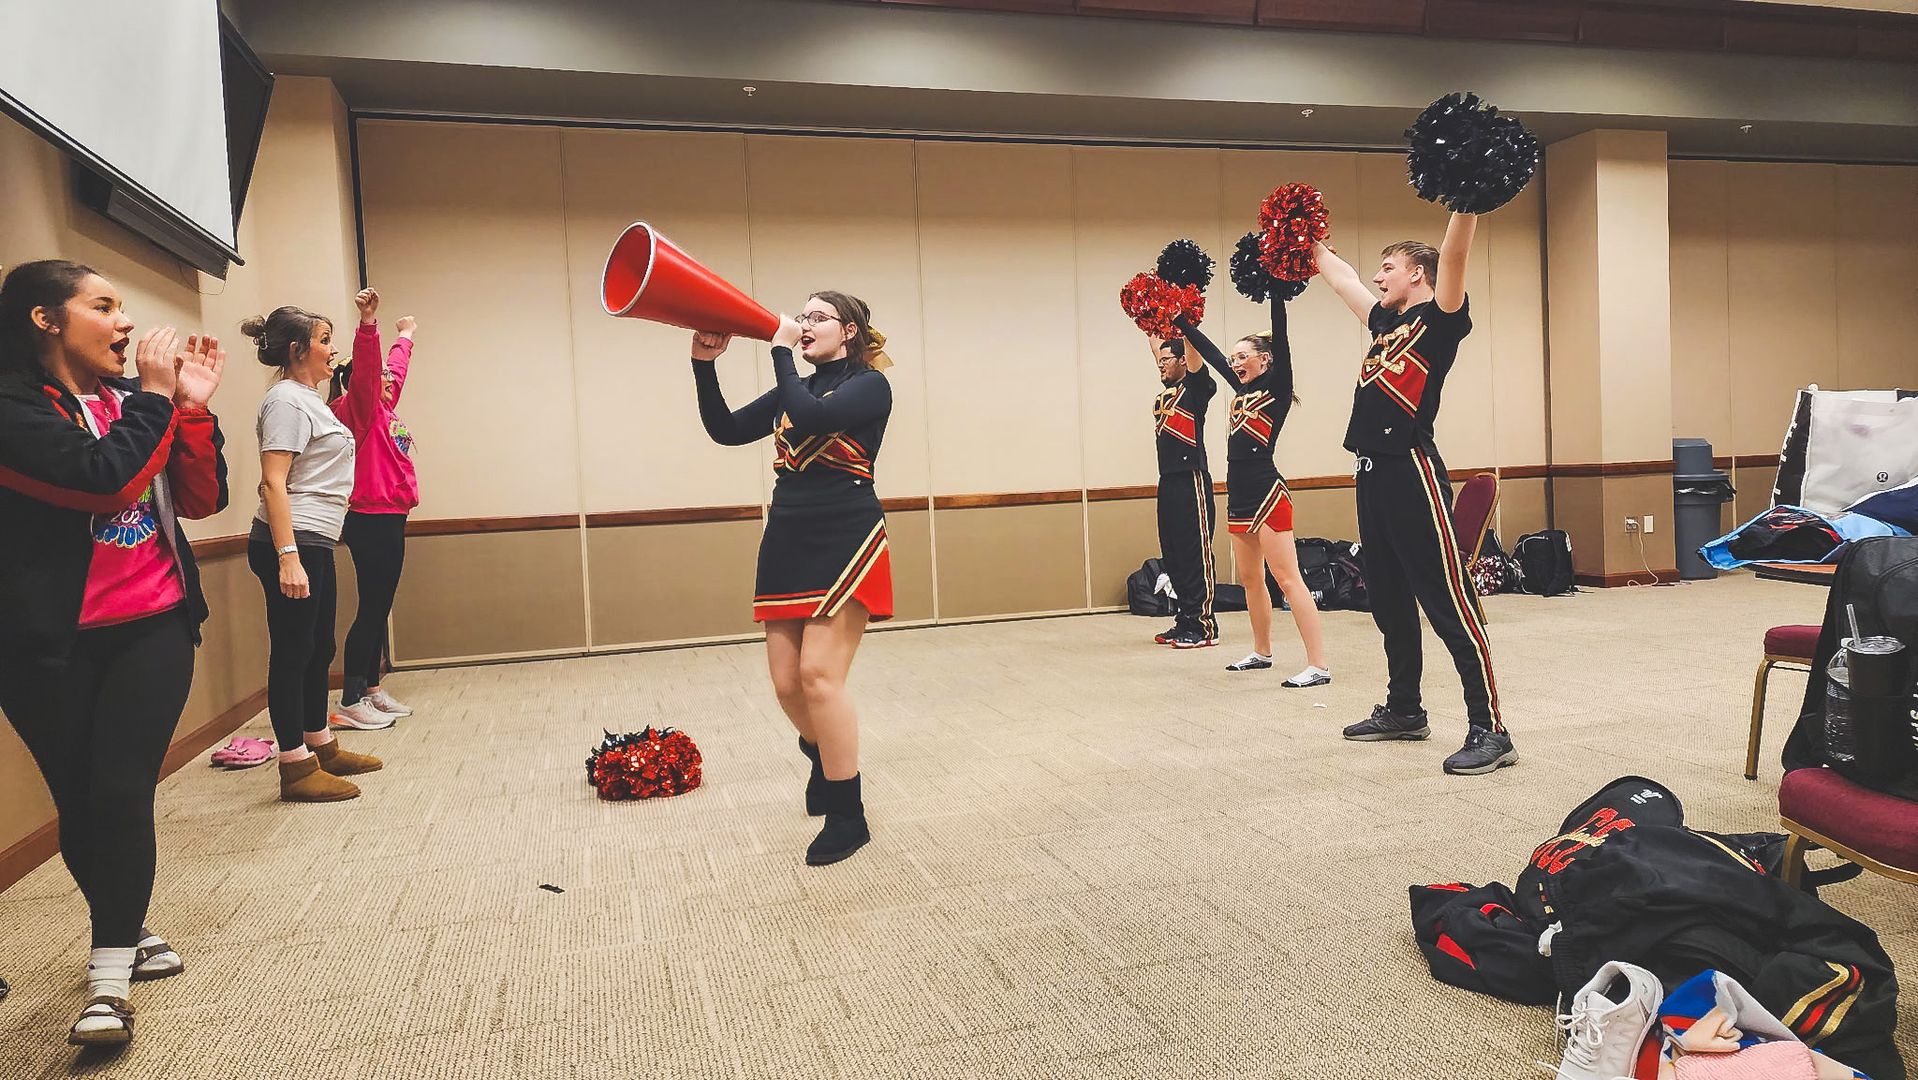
pixel 55 476
pixel 1397 399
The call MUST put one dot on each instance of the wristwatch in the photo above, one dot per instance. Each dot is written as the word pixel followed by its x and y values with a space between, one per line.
pixel 290 549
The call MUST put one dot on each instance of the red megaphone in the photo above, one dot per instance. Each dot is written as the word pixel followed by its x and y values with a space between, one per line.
pixel 648 277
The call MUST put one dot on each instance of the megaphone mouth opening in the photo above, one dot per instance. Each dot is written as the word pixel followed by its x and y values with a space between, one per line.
pixel 628 269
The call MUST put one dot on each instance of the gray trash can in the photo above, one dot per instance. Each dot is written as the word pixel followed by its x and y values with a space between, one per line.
pixel 1698 490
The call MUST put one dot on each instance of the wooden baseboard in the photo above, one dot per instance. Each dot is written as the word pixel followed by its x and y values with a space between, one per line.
pixel 1640 577
pixel 43 843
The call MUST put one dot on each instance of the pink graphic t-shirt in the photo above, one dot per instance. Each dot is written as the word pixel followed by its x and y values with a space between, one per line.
pixel 133 573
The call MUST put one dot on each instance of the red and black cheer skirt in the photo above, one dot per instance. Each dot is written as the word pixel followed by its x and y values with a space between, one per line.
pixel 814 558
pixel 1255 501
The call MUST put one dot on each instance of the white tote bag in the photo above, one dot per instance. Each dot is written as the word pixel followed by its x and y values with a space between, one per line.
pixel 1844 445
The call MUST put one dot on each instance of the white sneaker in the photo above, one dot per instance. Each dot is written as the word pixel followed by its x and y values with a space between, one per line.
pixel 1311 676
pixel 1603 1033
pixel 387 704
pixel 360 716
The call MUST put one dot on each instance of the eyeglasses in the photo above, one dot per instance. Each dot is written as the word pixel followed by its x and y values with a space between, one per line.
pixel 814 318
pixel 1244 357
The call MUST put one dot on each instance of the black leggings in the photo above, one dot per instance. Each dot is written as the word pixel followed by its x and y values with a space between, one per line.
pixel 98 727
pixel 378 543
pixel 300 633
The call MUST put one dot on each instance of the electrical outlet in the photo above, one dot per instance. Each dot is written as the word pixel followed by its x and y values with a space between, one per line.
pixel 1631 524
pixel 1648 524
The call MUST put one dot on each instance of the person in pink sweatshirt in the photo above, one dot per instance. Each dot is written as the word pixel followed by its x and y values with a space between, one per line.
pixel 385 489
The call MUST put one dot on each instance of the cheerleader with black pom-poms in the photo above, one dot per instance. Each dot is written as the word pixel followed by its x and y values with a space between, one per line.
pixel 1258 505
pixel 1471 160
pixel 824 567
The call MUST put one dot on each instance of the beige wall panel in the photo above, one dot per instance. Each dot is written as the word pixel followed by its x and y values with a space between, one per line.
pixel 1389 212
pixel 486 593
pixel 635 388
pixel 1521 509
pixel 671 582
pixel 1877 262
pixel 1784 303
pixel 1511 245
pixel 1003 560
pixel 1701 327
pixel 1754 492
pixel 637 409
pixel 464 230
pixel 24 802
pixel 1635 370
pixel 1128 204
pixel 1571 230
pixel 1327 342
pixel 231 663
pixel 1578 507
pixel 1331 513
pixel 1124 533
pixel 1636 496
pixel 909 539
pixel 840 214
pixel 995 223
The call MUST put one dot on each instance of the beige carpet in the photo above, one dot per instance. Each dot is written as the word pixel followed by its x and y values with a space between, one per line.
pixel 1093 858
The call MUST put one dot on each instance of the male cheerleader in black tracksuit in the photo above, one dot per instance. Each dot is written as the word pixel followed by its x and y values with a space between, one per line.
pixel 1412 558
pixel 1186 502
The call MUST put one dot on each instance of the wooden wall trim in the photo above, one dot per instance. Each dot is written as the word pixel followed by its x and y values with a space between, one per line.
pixel 43 843
pixel 219 547
pixel 687 515
pixel 906 504
pixel 464 526
pixel 1610 468
pixel 1636 577
pixel 1524 472
pixel 1010 498
pixel 1753 461
pixel 1115 494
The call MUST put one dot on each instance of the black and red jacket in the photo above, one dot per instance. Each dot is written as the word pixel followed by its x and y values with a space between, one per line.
pixel 55 476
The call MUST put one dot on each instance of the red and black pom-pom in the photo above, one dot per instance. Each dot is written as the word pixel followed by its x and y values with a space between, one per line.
pixel 1153 303
pixel 1251 278
pixel 1466 157
pixel 1291 220
pixel 1184 262
pixel 644 765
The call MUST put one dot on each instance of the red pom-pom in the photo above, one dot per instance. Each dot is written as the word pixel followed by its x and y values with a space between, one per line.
pixel 644 765
pixel 1291 220
pixel 1152 303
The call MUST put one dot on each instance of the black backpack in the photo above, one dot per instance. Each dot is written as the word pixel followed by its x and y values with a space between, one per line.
pixel 1333 572
pixel 1140 595
pixel 1877 578
pixel 1544 562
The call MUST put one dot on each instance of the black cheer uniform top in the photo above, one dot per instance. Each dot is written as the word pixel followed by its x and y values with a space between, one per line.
pixel 828 426
pixel 1178 419
pixel 1397 398
pixel 1259 408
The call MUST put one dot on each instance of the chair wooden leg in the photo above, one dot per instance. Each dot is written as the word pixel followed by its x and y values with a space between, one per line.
pixel 1792 866
pixel 1758 718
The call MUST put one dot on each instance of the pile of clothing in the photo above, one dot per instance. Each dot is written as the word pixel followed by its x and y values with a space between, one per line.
pixel 1625 882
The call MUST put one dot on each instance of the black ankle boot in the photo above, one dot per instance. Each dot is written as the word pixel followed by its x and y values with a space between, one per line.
pixel 845 830
pixel 816 783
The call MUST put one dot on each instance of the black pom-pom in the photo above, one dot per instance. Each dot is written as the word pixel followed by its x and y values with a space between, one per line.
pixel 1251 278
pixel 1466 157
pixel 1185 263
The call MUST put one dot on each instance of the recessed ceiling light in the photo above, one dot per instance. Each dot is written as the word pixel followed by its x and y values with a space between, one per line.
pixel 1305 112
pixel 1746 128
pixel 750 89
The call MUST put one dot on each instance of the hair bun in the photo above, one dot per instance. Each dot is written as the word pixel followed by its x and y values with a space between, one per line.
pixel 253 326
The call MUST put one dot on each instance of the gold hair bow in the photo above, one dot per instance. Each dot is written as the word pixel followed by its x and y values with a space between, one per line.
pixel 876 357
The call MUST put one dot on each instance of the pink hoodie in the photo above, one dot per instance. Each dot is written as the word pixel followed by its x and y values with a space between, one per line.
pixel 383 477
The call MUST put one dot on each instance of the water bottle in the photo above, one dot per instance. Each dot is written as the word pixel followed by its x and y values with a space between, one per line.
pixel 1841 742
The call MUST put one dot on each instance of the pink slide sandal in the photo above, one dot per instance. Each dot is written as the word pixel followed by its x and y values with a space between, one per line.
pixel 244 753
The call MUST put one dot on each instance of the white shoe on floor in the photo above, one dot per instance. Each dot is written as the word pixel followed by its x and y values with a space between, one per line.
pixel 387 704
pixel 360 716
pixel 1311 676
pixel 1610 1018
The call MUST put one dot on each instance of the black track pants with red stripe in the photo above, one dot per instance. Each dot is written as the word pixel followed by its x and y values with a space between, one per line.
pixel 1412 561
pixel 1186 519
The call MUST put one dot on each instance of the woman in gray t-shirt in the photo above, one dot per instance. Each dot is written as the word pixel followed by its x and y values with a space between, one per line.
pixel 306 476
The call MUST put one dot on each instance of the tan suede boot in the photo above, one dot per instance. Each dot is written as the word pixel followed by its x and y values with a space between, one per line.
pixel 342 762
pixel 305 781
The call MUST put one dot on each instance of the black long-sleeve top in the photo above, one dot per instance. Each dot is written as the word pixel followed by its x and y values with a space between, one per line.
pixel 1259 406
pixel 1178 418
pixel 828 425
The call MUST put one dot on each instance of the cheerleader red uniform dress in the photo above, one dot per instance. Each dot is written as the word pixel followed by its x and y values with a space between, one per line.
pixel 825 539
pixel 1255 493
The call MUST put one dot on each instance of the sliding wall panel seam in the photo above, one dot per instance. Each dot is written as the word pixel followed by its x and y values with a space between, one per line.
pixel 572 362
